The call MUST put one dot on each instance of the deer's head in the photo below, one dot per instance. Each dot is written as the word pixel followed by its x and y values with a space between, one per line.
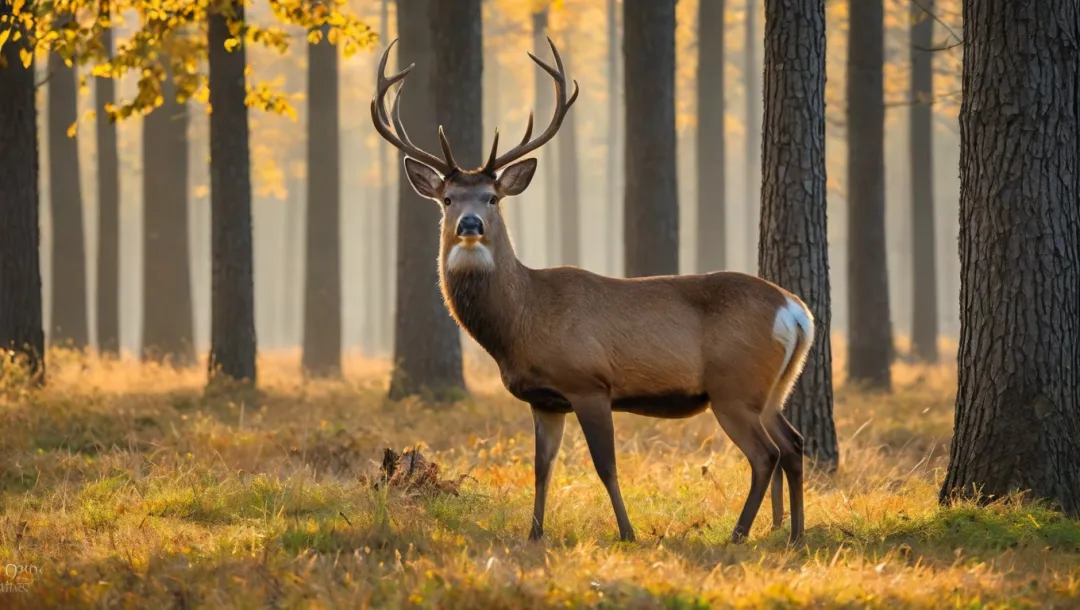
pixel 472 224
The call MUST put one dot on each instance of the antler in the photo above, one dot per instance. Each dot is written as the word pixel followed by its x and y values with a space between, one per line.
pixel 401 140
pixel 562 105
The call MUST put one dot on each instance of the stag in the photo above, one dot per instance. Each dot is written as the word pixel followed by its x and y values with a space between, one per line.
pixel 570 341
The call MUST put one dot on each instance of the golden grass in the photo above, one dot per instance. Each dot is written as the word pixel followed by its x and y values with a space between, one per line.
pixel 127 486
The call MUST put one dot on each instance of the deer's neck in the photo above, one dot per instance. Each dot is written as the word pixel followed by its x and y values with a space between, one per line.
pixel 488 302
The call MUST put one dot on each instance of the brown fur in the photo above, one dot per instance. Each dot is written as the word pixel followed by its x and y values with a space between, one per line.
pixel 568 340
pixel 570 331
pixel 669 346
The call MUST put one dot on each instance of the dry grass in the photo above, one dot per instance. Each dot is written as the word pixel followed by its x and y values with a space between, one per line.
pixel 127 486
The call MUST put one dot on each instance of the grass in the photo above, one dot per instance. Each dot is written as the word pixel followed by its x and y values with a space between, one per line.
pixel 127 486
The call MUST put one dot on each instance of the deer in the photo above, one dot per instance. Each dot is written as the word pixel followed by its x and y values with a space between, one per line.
pixel 567 340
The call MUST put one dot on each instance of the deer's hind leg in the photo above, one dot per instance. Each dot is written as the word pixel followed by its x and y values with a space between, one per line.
pixel 790 443
pixel 741 420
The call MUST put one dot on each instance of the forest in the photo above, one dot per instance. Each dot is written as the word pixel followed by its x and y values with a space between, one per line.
pixel 236 371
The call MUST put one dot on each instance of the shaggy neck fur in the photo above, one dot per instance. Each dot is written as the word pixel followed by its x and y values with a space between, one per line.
pixel 487 296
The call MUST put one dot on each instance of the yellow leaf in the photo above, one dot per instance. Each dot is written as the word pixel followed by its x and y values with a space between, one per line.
pixel 3 37
pixel 231 44
pixel 26 56
pixel 73 129
pixel 314 36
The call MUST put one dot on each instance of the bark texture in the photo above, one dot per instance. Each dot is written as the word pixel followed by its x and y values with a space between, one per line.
pixel 322 278
pixel 569 227
pixel 69 323
pixel 753 179
pixel 651 201
pixel 168 316
pixel 108 185
pixel 794 249
pixel 869 325
pixel 615 203
pixel 20 268
pixel 384 264
pixel 1018 403
pixel 711 172
pixel 232 300
pixel 924 324
pixel 427 342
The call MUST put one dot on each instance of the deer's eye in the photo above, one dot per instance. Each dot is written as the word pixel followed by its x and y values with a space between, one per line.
pixel 494 200
pixel 446 201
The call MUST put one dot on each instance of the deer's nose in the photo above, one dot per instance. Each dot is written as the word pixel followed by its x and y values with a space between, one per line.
pixel 470 225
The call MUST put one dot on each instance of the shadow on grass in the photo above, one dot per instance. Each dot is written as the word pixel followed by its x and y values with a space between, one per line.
pixel 976 533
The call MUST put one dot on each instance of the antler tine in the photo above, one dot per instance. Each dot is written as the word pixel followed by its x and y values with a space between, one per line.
pixel 562 106
pixel 528 130
pixel 446 150
pixel 489 167
pixel 555 53
pixel 400 140
pixel 395 116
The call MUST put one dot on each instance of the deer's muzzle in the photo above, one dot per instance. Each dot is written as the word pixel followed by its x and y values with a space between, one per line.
pixel 470 225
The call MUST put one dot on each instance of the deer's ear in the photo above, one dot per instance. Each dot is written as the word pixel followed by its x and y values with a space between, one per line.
pixel 516 178
pixel 424 179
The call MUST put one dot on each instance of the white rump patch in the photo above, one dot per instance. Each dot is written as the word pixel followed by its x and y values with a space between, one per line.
pixel 792 319
pixel 475 258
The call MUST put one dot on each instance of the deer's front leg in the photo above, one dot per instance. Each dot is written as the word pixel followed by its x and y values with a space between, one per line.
pixel 594 415
pixel 548 427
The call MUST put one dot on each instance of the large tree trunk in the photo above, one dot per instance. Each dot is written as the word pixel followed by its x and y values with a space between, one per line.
pixel 20 268
pixel 168 316
pixel 232 318
pixel 924 326
pixel 69 322
pixel 652 197
pixel 615 203
pixel 869 326
pixel 711 199
pixel 322 285
pixel 384 263
pixel 108 185
pixel 752 74
pixel 427 342
pixel 569 227
pixel 1018 402
pixel 794 249
pixel 545 105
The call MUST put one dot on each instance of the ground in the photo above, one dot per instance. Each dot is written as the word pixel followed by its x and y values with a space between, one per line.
pixel 129 486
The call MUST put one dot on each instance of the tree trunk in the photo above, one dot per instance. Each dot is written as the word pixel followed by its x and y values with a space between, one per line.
pixel 385 262
pixel 322 285
pixel 753 134
pixel 292 276
pixel 569 228
pixel 924 326
pixel 69 322
pixel 794 249
pixel 168 316
pixel 108 184
pixel 545 105
pixel 427 342
pixel 615 203
pixel 869 326
pixel 712 222
pixel 21 329
pixel 232 319
pixel 652 198
pixel 1018 401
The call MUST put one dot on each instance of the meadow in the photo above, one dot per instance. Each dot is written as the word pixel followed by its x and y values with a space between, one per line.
pixel 128 485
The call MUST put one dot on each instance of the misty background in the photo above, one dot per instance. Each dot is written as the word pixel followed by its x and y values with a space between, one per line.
pixel 369 198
